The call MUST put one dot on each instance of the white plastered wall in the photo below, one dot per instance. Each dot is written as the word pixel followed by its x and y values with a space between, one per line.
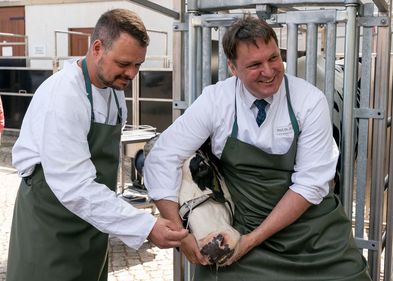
pixel 42 21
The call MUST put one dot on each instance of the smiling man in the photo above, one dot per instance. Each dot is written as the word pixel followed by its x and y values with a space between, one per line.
pixel 273 136
pixel 68 154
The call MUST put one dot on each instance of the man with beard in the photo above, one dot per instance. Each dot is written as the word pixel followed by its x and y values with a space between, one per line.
pixel 67 155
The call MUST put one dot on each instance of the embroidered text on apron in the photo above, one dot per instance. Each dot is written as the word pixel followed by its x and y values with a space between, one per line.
pixel 318 246
pixel 48 242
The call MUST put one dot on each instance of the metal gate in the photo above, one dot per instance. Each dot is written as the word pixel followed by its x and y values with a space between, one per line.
pixel 366 155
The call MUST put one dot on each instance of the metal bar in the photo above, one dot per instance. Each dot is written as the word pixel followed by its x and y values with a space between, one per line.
pixel 292 45
pixel 330 65
pixel 311 56
pixel 206 56
pixel 191 90
pixel 135 98
pixel 222 60
pixel 198 66
pixel 362 158
pixel 379 146
pixel 13 35
pixel 388 261
pixel 305 17
pixel 347 122
pixel 157 8
pixel 195 5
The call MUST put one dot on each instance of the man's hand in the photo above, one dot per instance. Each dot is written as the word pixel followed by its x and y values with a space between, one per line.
pixel 166 234
pixel 191 250
pixel 243 247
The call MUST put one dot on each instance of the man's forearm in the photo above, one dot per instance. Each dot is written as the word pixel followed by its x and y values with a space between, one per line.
pixel 169 210
pixel 288 210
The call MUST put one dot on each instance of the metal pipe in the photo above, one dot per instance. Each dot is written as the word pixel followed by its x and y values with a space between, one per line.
pixel 198 66
pixel 382 68
pixel 362 158
pixel 222 60
pixel 311 56
pixel 330 65
pixel 292 46
pixel 347 136
pixel 191 89
pixel 206 56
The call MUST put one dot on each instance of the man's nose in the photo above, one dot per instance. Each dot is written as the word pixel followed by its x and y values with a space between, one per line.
pixel 266 69
pixel 131 72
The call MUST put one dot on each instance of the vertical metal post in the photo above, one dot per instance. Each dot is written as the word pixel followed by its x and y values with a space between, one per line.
pixel 198 65
pixel 292 46
pixel 349 92
pixel 388 266
pixel 330 50
pixel 206 56
pixel 379 145
pixel 311 56
pixel 361 181
pixel 222 60
pixel 179 51
pixel 192 57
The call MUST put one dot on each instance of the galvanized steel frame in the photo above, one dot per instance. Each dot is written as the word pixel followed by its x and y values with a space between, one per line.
pixel 371 114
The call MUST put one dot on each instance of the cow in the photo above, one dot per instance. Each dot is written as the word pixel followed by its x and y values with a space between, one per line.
pixel 205 204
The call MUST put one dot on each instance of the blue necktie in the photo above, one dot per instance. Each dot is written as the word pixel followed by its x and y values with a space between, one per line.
pixel 260 104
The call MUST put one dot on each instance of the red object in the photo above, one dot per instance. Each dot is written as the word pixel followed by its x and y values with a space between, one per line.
pixel 1 117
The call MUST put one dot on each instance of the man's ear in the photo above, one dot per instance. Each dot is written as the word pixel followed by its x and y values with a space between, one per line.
pixel 97 47
pixel 232 67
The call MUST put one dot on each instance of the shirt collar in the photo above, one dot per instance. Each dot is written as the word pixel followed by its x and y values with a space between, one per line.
pixel 249 98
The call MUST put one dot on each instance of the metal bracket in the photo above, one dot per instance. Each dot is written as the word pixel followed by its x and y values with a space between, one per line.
pixel 180 26
pixel 370 21
pixel 365 113
pixel 179 104
pixel 367 244
pixel 265 11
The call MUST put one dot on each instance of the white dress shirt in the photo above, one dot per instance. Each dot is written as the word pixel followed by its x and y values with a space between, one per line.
pixel 212 115
pixel 54 133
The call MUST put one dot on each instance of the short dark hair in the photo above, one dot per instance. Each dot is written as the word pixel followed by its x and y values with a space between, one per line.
pixel 247 29
pixel 114 22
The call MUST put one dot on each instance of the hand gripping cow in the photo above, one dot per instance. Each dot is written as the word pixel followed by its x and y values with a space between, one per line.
pixel 205 204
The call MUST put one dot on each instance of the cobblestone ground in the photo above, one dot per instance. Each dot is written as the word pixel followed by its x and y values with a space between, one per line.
pixel 147 263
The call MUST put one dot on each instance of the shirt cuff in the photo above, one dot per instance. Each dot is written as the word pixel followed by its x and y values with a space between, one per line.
pixel 312 194
pixel 137 241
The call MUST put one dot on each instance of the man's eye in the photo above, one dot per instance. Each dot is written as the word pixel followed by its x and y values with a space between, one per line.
pixel 253 66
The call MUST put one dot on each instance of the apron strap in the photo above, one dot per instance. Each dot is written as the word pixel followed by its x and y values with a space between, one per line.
pixel 235 127
pixel 119 111
pixel 88 86
pixel 292 116
pixel 90 93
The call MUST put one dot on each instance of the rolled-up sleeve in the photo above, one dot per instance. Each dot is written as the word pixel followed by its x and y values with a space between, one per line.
pixel 162 170
pixel 317 154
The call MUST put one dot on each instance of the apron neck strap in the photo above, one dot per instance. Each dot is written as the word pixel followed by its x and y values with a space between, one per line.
pixel 88 86
pixel 292 115
pixel 90 92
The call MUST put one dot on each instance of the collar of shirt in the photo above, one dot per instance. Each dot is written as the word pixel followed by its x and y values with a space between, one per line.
pixel 249 98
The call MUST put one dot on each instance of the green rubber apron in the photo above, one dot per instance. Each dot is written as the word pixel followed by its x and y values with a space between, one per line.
pixel 318 246
pixel 48 242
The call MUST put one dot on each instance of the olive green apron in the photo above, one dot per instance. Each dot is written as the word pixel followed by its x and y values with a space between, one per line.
pixel 318 246
pixel 48 242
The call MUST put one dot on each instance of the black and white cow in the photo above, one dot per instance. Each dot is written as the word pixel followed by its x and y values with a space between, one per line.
pixel 205 204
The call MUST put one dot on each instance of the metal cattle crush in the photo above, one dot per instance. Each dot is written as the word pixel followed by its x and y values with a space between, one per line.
pixel 353 30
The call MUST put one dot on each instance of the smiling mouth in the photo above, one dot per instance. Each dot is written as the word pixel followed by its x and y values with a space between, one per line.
pixel 267 81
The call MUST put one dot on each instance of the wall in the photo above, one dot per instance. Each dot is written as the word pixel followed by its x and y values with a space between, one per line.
pixel 43 20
